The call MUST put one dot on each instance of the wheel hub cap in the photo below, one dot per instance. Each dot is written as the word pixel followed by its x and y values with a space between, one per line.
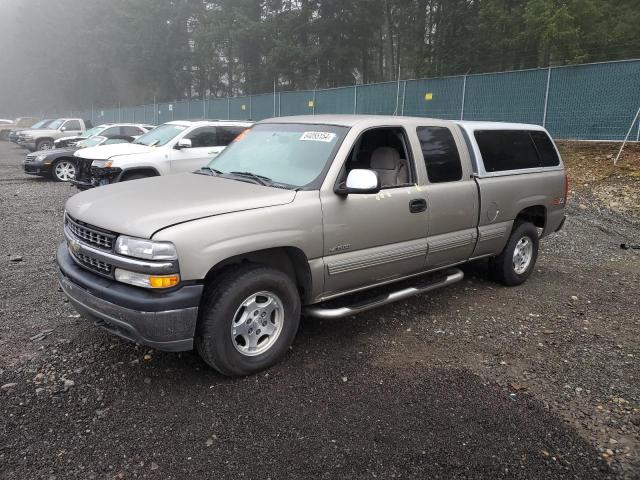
pixel 65 171
pixel 522 255
pixel 257 323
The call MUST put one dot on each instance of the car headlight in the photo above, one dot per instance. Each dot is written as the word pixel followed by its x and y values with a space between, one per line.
pixel 145 249
pixel 40 158
pixel 27 137
pixel 102 163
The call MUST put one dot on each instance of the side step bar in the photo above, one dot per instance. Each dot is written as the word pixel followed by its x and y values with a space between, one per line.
pixel 453 275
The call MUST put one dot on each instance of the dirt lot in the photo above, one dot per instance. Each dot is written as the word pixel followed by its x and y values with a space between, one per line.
pixel 474 381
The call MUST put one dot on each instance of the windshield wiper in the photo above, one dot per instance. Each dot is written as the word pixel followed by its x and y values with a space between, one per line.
pixel 262 180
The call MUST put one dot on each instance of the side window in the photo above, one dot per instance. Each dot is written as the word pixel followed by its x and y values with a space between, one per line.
pixel 504 150
pixel 546 150
pixel 72 125
pixel 203 137
pixel 440 154
pixel 386 152
pixel 226 135
pixel 130 131
pixel 110 132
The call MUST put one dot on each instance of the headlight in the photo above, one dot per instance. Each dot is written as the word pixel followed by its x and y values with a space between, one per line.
pixel 102 163
pixel 27 137
pixel 40 158
pixel 145 249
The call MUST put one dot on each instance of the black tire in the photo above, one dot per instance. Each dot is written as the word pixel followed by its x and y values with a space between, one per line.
pixel 503 268
pixel 42 143
pixel 223 299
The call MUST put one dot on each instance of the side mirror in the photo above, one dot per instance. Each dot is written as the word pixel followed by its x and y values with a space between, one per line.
pixel 63 129
pixel 183 143
pixel 359 181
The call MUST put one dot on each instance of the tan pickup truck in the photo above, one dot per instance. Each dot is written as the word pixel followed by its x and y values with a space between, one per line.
pixel 325 216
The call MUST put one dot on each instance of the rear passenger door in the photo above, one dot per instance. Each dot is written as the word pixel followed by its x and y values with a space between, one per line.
pixel 452 196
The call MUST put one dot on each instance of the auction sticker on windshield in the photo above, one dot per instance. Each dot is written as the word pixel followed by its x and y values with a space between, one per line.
pixel 318 137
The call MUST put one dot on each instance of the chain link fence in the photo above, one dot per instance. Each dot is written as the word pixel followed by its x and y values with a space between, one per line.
pixel 584 102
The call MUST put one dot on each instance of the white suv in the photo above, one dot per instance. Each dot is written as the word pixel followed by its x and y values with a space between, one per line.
pixel 174 147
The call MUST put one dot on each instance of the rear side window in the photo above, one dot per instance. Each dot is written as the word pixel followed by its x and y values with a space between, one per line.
pixel 440 154
pixel 504 150
pixel 226 135
pixel 546 150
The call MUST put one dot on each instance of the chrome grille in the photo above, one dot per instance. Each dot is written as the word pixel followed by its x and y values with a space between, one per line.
pixel 94 264
pixel 91 235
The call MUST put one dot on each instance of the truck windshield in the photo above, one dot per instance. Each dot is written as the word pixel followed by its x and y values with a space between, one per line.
pixel 161 135
pixel 290 154
pixel 39 124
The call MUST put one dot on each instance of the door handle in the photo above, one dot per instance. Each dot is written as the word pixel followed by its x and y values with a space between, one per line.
pixel 417 205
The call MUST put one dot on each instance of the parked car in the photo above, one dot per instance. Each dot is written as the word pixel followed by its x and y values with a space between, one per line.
pixel 42 139
pixel 59 163
pixel 175 147
pixel 15 134
pixel 106 130
pixel 326 215
pixel 18 123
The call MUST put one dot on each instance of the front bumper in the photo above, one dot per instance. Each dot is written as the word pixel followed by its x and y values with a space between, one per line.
pixel 161 320
pixel 37 168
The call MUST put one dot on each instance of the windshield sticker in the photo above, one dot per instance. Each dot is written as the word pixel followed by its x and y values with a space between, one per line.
pixel 318 137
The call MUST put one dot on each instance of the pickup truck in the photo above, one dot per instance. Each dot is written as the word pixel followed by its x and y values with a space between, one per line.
pixel 325 216
pixel 43 138
pixel 174 147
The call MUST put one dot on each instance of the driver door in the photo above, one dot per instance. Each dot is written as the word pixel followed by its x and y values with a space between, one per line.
pixel 203 148
pixel 370 238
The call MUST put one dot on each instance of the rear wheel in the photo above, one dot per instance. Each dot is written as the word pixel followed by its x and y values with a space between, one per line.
pixel 63 170
pixel 516 262
pixel 248 320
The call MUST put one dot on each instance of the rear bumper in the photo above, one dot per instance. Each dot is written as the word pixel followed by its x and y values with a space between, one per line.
pixel 164 321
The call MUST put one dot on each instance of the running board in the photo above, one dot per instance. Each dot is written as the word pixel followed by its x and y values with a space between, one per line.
pixel 324 310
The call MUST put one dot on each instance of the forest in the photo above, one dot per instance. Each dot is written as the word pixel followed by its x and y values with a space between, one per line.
pixel 77 53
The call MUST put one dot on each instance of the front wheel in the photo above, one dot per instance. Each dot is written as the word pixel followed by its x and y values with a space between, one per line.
pixel 44 145
pixel 63 170
pixel 516 262
pixel 248 320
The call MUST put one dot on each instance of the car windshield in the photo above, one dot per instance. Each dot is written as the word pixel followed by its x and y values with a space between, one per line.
pixel 290 154
pixel 161 135
pixel 91 142
pixel 55 124
pixel 94 131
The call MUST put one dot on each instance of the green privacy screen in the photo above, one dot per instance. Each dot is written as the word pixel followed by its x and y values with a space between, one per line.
pixel 587 102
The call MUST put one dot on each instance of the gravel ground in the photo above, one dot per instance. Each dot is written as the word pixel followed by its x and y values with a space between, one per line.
pixel 473 381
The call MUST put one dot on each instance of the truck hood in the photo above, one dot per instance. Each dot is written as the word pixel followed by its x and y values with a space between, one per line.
pixel 142 207
pixel 105 152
